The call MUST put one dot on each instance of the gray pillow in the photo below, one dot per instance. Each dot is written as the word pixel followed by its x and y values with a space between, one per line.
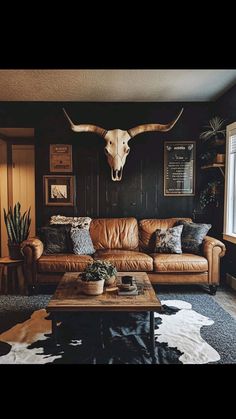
pixel 81 241
pixel 168 240
pixel 55 239
pixel 192 236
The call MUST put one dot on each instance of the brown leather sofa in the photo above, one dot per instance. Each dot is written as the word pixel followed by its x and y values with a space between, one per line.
pixel 129 245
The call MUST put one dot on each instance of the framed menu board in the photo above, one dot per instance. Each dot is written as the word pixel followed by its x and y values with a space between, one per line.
pixel 60 158
pixel 179 168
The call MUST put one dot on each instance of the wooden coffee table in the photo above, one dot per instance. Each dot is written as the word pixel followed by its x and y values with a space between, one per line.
pixel 68 297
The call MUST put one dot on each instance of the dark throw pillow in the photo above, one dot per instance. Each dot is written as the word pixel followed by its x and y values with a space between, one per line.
pixel 192 236
pixel 81 241
pixel 55 239
pixel 168 240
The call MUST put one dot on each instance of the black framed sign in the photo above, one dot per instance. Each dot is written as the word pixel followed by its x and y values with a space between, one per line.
pixel 179 168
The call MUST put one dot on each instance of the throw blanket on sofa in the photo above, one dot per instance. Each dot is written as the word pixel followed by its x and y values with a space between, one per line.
pixel 81 222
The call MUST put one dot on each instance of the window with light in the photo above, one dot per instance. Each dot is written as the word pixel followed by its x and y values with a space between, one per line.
pixel 230 185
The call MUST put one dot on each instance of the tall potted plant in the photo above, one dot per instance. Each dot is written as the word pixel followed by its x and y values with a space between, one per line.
pixel 17 229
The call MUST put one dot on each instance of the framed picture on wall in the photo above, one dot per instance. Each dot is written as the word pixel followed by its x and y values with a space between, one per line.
pixel 60 158
pixel 179 168
pixel 59 190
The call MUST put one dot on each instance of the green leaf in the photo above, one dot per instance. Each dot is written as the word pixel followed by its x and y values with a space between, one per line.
pixel 8 227
pixel 17 226
pixel 14 236
pixel 214 128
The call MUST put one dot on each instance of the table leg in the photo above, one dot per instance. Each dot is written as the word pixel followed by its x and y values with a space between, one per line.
pixel 98 357
pixel 54 327
pixel 1 279
pixel 152 337
pixel 9 280
pixel 21 280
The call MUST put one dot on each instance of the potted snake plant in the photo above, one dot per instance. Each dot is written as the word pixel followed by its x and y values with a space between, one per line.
pixel 17 229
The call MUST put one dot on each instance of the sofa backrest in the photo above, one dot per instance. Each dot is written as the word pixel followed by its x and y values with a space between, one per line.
pixel 147 228
pixel 114 233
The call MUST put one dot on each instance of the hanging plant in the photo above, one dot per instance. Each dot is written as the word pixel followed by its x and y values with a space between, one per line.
pixel 215 129
pixel 210 195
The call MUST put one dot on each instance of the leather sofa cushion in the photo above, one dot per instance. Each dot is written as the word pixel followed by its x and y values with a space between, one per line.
pixel 147 228
pixel 114 233
pixel 63 262
pixel 184 262
pixel 125 260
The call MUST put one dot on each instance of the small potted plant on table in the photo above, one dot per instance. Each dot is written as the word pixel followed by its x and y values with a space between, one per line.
pixel 95 275
pixel 111 273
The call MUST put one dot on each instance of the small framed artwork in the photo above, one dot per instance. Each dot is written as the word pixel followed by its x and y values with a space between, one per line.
pixel 59 190
pixel 60 158
pixel 179 168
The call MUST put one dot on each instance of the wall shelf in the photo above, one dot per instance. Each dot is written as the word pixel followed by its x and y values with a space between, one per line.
pixel 220 166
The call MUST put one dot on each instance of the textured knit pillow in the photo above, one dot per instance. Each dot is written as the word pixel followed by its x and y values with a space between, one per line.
pixel 81 222
pixel 192 236
pixel 55 239
pixel 168 240
pixel 81 241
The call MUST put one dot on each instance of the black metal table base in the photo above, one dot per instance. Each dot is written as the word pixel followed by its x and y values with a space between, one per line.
pixel 152 337
pixel 101 345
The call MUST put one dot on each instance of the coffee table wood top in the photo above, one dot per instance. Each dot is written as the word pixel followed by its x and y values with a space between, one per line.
pixel 69 297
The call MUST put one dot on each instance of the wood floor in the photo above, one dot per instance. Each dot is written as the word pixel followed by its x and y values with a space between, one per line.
pixel 226 298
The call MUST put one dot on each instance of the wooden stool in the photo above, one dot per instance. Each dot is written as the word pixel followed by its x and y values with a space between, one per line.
pixel 13 282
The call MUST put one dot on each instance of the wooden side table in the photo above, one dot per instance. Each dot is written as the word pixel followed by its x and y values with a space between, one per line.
pixel 12 280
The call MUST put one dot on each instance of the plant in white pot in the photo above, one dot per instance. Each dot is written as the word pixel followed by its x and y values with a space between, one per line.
pixel 93 279
pixel 17 229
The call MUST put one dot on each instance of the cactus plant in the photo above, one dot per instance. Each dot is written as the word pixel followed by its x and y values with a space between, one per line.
pixel 17 226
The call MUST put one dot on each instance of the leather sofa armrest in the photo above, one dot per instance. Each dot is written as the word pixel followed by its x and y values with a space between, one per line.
pixel 32 249
pixel 208 246
pixel 213 250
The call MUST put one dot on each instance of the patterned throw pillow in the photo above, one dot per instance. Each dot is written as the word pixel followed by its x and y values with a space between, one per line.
pixel 55 239
pixel 192 236
pixel 81 222
pixel 168 240
pixel 81 241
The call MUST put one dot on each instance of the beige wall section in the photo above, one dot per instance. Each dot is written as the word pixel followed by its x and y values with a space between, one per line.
pixel 3 197
pixel 23 179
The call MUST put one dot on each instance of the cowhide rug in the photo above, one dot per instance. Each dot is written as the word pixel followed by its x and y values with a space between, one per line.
pixel 178 340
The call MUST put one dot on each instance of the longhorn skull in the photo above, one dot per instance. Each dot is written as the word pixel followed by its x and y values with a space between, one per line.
pixel 117 148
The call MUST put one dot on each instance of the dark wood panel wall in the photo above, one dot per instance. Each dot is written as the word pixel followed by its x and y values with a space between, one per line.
pixel 140 193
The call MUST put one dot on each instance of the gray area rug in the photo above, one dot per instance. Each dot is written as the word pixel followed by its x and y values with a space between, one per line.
pixel 193 329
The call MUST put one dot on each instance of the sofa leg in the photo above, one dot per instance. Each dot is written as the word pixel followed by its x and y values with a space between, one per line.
pixel 32 290
pixel 213 289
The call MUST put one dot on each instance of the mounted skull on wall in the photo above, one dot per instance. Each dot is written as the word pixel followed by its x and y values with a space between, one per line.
pixel 117 147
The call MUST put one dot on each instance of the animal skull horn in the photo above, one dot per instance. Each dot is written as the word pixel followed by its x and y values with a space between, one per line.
pixel 117 148
pixel 86 127
pixel 139 129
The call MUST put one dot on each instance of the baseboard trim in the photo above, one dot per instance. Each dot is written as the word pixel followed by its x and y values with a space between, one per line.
pixel 231 281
